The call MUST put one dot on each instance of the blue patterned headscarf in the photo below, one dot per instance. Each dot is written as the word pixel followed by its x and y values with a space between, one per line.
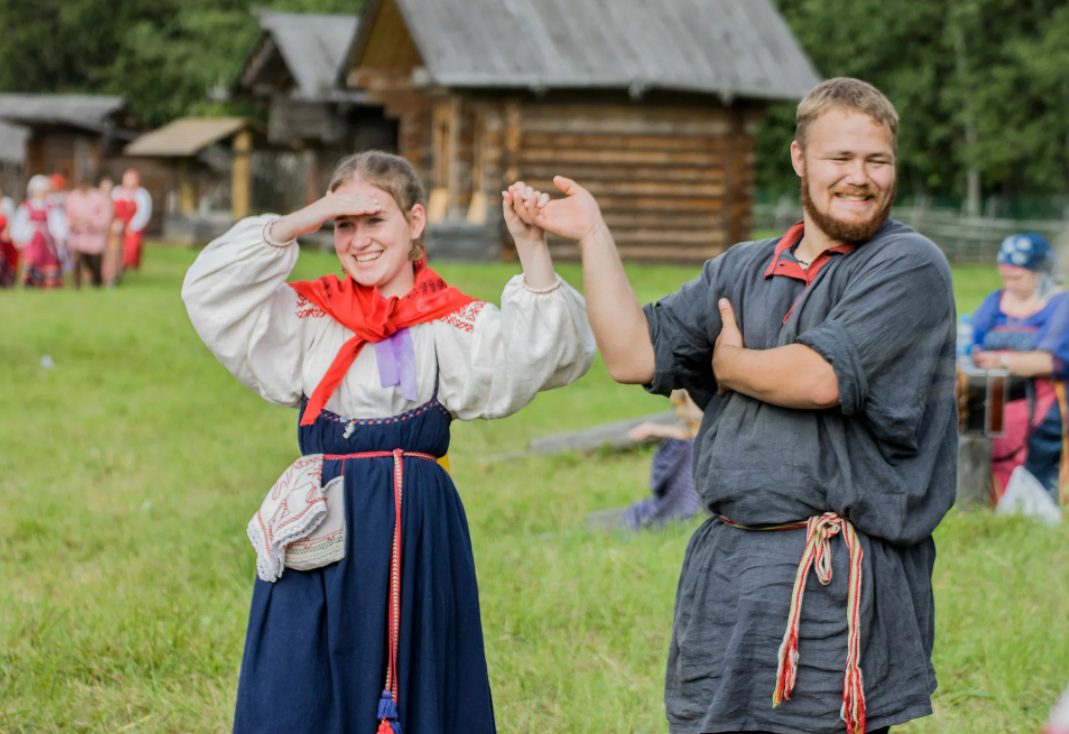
pixel 1031 252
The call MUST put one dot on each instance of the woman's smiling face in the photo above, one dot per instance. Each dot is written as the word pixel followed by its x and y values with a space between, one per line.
pixel 373 248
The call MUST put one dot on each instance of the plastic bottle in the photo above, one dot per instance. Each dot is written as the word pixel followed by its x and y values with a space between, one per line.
pixel 965 337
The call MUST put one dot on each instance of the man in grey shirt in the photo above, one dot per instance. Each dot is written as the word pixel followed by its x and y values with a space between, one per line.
pixel 824 361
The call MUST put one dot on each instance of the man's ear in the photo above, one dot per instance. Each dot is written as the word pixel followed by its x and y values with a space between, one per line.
pixel 798 158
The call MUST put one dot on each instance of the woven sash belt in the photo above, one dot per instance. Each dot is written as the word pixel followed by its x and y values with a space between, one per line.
pixel 389 723
pixel 819 532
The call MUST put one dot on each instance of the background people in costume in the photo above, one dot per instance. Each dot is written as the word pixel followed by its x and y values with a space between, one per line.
pixel 37 230
pixel 1024 328
pixel 113 250
pixel 389 355
pixel 89 215
pixel 57 199
pixel 800 350
pixel 133 209
pixel 9 255
pixel 671 473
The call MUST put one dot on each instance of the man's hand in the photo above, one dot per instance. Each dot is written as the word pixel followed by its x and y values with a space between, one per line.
pixel 729 341
pixel 575 217
pixel 792 376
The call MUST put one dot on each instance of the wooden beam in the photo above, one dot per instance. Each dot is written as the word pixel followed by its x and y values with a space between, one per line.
pixel 513 137
pixel 452 179
pixel 311 175
pixel 739 180
pixel 241 176
pixel 187 188
pixel 637 157
pixel 477 208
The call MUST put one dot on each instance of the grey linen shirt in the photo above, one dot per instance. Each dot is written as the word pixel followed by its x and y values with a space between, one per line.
pixel 885 459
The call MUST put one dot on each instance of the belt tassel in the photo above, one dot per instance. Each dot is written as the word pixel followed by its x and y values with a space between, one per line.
pixel 819 531
pixel 388 718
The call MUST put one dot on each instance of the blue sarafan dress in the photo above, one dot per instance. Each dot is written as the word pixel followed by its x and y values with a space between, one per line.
pixel 317 647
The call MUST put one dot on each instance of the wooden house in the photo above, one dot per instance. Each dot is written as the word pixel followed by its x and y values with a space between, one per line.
pixel 650 105
pixel 295 72
pixel 12 158
pixel 70 134
pixel 197 150
pixel 78 135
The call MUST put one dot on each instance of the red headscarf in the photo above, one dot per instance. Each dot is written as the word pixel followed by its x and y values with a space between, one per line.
pixel 372 318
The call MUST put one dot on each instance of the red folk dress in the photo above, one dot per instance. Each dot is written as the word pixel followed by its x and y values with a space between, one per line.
pixel 43 268
pixel 126 206
pixel 9 257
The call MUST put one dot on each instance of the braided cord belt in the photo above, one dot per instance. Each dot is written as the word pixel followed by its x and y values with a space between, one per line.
pixel 389 723
pixel 820 530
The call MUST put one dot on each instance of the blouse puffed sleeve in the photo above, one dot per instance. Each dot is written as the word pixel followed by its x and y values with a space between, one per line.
pixel 239 303
pixel 493 361
pixel 21 227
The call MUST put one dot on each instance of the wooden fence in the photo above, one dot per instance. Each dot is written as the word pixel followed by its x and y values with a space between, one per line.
pixel 964 240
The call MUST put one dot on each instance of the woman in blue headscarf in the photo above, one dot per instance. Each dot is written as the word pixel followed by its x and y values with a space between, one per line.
pixel 1024 328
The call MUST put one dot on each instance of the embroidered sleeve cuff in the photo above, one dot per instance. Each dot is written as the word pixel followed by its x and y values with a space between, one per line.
pixel 271 240
pixel 542 291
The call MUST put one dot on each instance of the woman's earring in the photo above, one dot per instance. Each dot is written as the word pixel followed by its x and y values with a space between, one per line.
pixel 416 253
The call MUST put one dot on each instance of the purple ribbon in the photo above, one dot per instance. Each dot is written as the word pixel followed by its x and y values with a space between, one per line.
pixel 397 363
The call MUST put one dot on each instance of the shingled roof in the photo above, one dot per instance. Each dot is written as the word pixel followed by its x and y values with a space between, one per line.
pixel 313 47
pixel 88 112
pixel 188 136
pixel 734 48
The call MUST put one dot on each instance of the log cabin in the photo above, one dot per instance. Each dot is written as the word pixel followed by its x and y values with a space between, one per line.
pixel 652 106
pixel 77 135
pixel 294 73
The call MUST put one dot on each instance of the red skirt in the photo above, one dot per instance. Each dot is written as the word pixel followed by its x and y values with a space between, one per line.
pixel 131 249
pixel 42 266
pixel 9 264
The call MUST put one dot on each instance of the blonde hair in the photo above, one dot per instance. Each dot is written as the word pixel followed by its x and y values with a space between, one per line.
pixel 853 94
pixel 38 185
pixel 391 173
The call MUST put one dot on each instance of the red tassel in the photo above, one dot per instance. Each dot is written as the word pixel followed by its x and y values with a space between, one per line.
pixel 384 727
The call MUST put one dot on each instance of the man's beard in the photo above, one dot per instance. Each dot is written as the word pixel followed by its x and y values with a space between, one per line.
pixel 852 233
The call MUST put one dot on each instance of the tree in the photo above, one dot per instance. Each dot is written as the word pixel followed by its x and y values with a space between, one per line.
pixel 163 56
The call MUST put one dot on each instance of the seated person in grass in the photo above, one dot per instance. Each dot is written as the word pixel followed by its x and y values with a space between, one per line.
pixel 671 473
pixel 824 363
pixel 379 361
pixel 1023 327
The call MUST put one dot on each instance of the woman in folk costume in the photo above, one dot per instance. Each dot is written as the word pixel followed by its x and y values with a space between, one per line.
pixel 1023 328
pixel 366 619
pixel 9 255
pixel 133 208
pixel 37 230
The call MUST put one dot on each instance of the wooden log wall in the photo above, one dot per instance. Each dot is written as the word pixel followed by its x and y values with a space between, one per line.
pixel 673 184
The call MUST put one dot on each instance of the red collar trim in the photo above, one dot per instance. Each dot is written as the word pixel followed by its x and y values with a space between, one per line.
pixel 792 269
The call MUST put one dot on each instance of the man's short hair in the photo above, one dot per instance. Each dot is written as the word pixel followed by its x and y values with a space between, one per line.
pixel 853 94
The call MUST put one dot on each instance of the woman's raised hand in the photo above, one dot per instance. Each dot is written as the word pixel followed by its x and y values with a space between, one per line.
pixel 315 215
pixel 520 205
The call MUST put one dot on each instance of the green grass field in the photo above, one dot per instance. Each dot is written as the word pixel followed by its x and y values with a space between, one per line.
pixel 128 472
